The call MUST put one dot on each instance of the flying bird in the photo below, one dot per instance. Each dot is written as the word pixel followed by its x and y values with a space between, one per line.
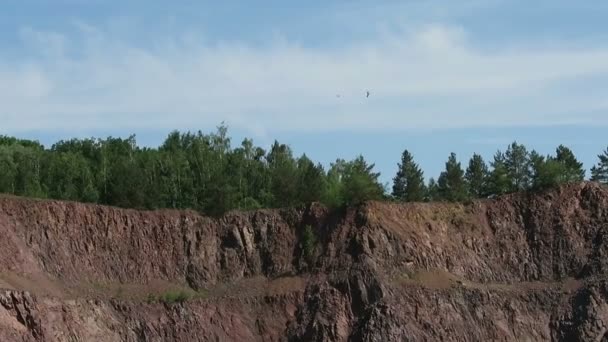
pixel 367 94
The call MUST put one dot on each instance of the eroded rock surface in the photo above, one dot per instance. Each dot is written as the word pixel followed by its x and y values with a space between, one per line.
pixel 523 267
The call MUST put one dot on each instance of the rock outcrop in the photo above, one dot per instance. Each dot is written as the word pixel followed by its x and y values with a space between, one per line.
pixel 522 267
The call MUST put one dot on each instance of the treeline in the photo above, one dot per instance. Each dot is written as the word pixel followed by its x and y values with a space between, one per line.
pixel 189 170
pixel 204 172
pixel 516 169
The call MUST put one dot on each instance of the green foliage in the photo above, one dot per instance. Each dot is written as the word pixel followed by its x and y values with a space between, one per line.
pixel 151 298
pixel 11 141
pixel 476 176
pixel 572 169
pixel 432 191
pixel 360 183
pixel 283 171
pixel 451 185
pixel 498 181
pixel 27 179
pixel 69 177
pixel 548 172
pixel 599 172
pixel 8 170
pixel 517 164
pixel 408 184
pixel 203 172
pixel 249 203
pixel 309 243
pixel 171 297
pixel 333 195
pixel 189 170
pixel 310 181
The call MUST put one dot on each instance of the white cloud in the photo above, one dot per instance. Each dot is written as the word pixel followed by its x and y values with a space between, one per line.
pixel 431 77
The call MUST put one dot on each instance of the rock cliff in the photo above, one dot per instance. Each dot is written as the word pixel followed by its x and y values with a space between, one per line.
pixel 522 267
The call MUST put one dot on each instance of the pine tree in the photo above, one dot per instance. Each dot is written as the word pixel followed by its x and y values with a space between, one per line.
pixel 283 173
pixel 572 169
pixel 536 163
pixel 477 176
pixel 498 181
pixel 517 164
pixel 599 172
pixel 408 184
pixel 451 183
pixel 311 180
pixel 333 195
pixel 360 182
pixel 432 191
pixel 539 171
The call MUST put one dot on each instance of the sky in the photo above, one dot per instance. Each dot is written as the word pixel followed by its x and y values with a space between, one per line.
pixel 444 76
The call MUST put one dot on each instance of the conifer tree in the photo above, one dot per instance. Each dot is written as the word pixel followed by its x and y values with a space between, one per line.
pixel 451 183
pixel 572 169
pixel 599 172
pixel 517 164
pixel 498 181
pixel 476 176
pixel 408 184
pixel 432 191
pixel 311 180
pixel 360 182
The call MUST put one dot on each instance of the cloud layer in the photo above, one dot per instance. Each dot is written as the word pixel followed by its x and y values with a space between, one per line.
pixel 433 76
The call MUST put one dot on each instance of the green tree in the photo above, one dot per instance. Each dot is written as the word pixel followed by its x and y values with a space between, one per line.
pixel 149 164
pixel 28 161
pixel 476 176
pixel 310 180
pixel 517 164
pixel 360 183
pixel 408 184
pixel 333 195
pixel 451 183
pixel 8 170
pixel 283 174
pixel 599 172
pixel 309 243
pixel 572 169
pixel 256 190
pixel 547 172
pixel 498 181
pixel 536 163
pixel 190 172
pixel 68 176
pixel 432 191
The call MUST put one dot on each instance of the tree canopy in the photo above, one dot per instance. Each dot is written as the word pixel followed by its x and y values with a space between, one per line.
pixel 476 176
pixel 599 172
pixel 451 185
pixel 203 171
pixel 188 170
pixel 408 184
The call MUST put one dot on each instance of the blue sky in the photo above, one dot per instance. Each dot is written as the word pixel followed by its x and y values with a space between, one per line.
pixel 444 76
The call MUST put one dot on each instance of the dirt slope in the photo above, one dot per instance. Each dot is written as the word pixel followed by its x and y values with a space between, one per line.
pixel 524 267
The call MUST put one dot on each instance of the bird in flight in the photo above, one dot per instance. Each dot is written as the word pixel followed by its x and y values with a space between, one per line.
pixel 367 93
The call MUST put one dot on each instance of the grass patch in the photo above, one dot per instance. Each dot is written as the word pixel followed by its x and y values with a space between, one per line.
pixel 171 297
pixel 175 296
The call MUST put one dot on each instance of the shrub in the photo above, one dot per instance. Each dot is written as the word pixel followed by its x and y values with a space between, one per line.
pixel 309 243
pixel 151 298
pixel 171 297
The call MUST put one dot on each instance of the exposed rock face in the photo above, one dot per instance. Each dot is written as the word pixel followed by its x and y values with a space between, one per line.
pixel 523 267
